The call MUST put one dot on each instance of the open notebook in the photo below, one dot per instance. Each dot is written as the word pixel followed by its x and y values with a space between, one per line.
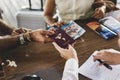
pixel 93 71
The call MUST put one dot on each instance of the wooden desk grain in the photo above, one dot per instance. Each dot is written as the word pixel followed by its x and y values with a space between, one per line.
pixel 45 61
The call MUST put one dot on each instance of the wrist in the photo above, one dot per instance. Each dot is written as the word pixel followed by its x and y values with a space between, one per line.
pixel 117 58
pixel 27 37
pixel 22 39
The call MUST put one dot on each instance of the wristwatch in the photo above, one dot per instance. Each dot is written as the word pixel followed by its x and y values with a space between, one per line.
pixel 22 40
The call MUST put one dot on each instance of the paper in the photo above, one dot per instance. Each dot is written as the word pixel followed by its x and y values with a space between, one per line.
pixel 94 71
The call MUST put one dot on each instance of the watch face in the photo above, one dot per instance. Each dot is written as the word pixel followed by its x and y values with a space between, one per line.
pixel 62 38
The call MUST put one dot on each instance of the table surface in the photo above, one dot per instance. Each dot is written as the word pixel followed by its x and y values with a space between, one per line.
pixel 45 61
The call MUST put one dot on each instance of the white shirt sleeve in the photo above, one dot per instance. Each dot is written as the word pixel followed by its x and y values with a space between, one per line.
pixel 70 70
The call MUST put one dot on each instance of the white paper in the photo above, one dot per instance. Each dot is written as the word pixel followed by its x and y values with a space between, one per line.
pixel 94 71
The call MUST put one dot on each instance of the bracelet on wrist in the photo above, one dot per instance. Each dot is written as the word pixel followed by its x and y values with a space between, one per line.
pixel 21 39
pixel 27 37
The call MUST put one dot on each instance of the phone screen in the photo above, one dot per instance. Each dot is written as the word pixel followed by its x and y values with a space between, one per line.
pixel 101 30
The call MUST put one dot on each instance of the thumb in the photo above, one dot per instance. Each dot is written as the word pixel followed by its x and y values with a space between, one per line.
pixel 56 46
pixel 73 50
pixel 95 57
pixel 70 47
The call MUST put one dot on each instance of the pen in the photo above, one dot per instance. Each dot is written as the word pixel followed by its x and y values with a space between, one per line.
pixel 105 64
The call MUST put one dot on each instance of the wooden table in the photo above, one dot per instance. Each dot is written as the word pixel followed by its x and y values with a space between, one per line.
pixel 45 61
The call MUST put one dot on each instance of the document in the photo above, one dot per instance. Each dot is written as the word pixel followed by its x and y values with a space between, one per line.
pixel 94 71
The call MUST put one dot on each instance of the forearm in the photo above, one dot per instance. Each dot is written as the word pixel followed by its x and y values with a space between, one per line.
pixel 49 11
pixel 9 42
pixel 49 19
pixel 6 28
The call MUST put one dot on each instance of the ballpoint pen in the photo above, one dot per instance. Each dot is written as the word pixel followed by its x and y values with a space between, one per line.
pixel 105 64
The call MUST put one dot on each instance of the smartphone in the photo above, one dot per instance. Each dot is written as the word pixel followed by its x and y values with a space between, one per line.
pixel 101 30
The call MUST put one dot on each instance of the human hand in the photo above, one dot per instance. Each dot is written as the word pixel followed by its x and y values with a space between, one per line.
pixel 58 24
pixel 109 56
pixel 119 39
pixel 41 36
pixel 66 53
pixel 99 12
pixel 20 31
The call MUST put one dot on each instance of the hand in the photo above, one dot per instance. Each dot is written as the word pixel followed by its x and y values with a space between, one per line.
pixel 58 24
pixel 99 12
pixel 20 30
pixel 119 39
pixel 41 35
pixel 109 56
pixel 66 53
